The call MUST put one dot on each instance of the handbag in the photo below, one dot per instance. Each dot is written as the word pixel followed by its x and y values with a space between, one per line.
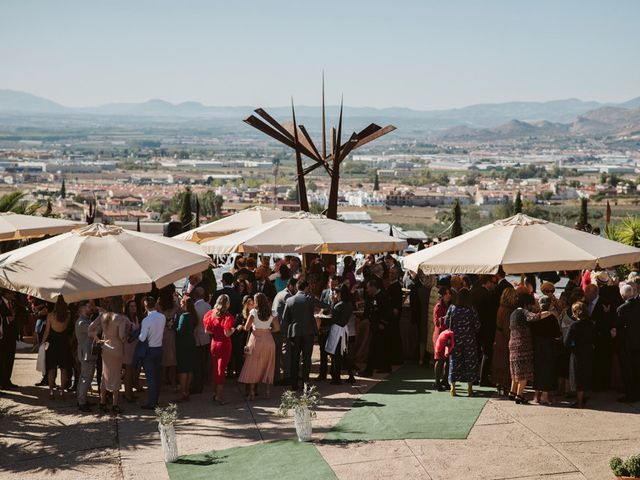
pixel 41 361
pixel 248 349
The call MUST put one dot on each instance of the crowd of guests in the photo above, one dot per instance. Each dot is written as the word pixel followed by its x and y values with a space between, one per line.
pixel 491 332
pixel 260 328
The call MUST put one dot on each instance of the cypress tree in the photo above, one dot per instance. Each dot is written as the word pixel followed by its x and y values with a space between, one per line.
pixel 376 183
pixel 456 228
pixel 584 213
pixel 186 214
pixel 517 204
pixel 63 190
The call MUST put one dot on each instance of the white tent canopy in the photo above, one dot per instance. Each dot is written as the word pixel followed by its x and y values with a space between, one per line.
pixel 99 261
pixel 251 217
pixel 521 244
pixel 14 226
pixel 304 233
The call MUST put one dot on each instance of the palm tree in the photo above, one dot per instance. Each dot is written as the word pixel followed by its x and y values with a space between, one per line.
pixel 627 232
pixel 15 202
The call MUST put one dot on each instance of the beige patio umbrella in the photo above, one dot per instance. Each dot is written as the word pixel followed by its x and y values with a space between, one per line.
pixel 304 233
pixel 521 244
pixel 99 261
pixel 250 217
pixel 14 226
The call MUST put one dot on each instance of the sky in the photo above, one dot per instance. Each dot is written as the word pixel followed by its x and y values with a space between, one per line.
pixel 422 54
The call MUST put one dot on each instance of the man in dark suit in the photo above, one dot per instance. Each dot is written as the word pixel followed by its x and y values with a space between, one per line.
pixel 395 298
pixel 626 335
pixel 298 316
pixel 501 283
pixel 601 314
pixel 483 298
pixel 8 337
pixel 262 284
pixel 235 301
pixel 376 310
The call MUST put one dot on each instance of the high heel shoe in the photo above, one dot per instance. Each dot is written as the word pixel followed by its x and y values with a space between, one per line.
pixel 512 396
pixel 453 390
pixel 521 400
pixel 102 408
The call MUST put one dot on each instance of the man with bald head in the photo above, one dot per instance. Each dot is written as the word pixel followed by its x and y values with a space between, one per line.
pixel 601 314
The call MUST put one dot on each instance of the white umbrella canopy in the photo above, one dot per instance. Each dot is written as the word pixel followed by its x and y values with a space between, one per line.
pixel 14 226
pixel 521 244
pixel 250 217
pixel 304 233
pixel 99 261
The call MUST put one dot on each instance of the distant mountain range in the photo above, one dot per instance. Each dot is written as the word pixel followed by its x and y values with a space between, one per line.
pixel 482 121
pixel 605 121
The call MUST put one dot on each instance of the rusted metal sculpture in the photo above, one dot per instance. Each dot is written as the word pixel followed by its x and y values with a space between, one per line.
pixel 297 137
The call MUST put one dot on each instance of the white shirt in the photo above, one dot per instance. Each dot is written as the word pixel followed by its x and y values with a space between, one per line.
pixel 152 328
pixel 260 324
pixel 202 338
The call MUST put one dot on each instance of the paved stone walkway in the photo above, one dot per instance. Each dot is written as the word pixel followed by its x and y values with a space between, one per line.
pixel 50 439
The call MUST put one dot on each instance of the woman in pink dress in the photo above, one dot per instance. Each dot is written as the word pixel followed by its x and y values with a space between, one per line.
pixel 260 357
pixel 439 312
pixel 218 323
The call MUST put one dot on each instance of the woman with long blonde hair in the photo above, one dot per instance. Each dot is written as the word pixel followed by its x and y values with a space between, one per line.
pixel 218 323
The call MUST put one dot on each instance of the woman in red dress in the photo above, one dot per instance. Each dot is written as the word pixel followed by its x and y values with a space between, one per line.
pixel 218 323
pixel 439 312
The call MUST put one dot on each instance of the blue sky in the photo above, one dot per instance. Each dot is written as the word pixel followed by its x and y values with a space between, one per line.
pixel 419 54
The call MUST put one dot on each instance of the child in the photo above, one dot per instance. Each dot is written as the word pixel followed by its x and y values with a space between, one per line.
pixel 443 347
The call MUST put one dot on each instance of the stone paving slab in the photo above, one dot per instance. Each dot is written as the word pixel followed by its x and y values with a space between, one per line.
pixel 398 468
pixel 482 460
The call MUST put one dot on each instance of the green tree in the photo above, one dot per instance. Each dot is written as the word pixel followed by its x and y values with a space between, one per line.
pixel 63 190
pixel 584 213
pixel 517 204
pixel 218 201
pixel 49 211
pixel 186 212
pixel 376 183
pixel 456 227
pixel 316 208
pixel 292 194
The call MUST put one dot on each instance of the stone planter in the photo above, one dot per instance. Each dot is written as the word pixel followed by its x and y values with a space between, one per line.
pixel 302 421
pixel 169 442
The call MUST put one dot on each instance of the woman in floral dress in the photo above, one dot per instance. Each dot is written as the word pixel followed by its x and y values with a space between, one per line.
pixel 463 321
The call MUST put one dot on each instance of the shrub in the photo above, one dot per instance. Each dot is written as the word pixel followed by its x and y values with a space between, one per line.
pixel 628 468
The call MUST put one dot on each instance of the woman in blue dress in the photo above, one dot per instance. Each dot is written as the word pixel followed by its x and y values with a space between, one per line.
pixel 463 321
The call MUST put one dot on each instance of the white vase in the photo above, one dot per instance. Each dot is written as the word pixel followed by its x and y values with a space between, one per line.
pixel 169 442
pixel 302 420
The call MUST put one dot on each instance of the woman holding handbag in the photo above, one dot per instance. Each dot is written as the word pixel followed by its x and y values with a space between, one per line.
pixel 260 352
pixel 218 323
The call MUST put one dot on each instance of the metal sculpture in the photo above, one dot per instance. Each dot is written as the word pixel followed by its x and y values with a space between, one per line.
pixel 297 137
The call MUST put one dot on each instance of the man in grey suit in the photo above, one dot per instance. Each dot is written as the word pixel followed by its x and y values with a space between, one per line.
pixel 299 318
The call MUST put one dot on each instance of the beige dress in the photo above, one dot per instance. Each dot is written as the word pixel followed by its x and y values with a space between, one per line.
pixel 259 365
pixel 114 330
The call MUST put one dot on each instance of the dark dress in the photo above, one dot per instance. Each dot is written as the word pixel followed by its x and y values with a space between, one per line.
pixel 500 370
pixel 58 353
pixel 520 346
pixel 545 335
pixel 185 344
pixel 579 341
pixel 464 362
